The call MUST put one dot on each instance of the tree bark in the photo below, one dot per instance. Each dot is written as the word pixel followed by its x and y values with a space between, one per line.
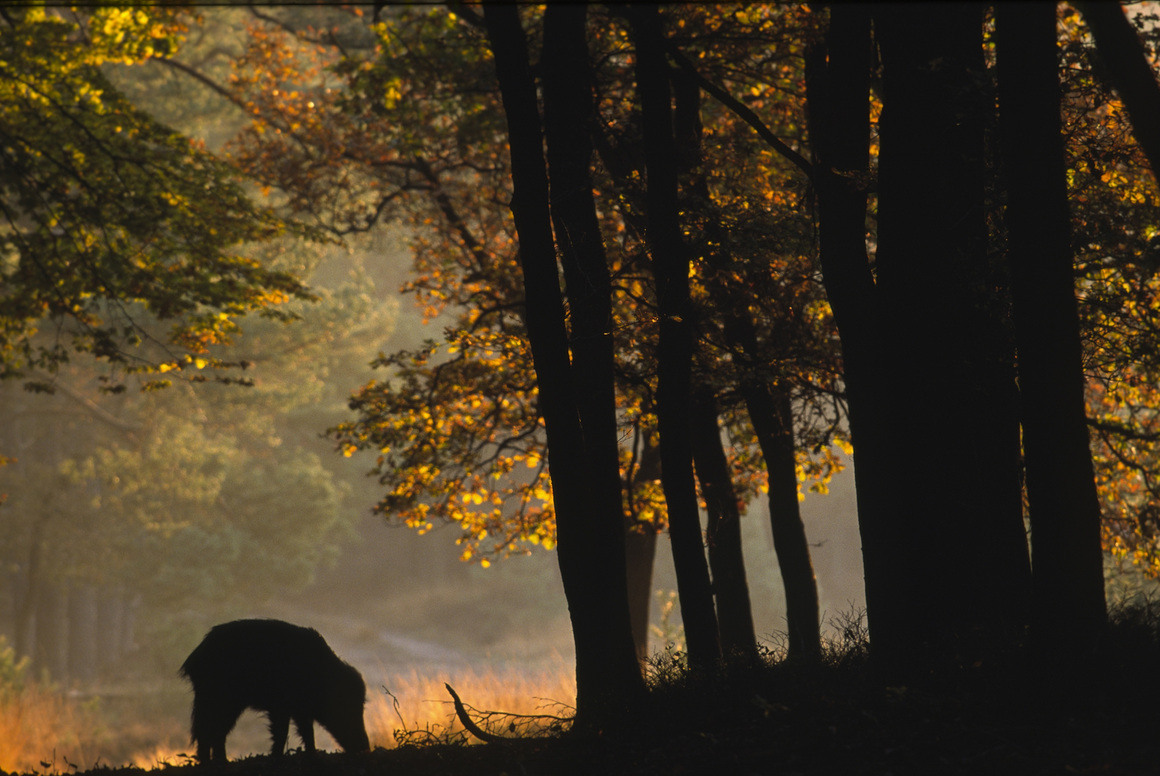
pixel 775 436
pixel 640 553
pixel 1122 53
pixel 928 364
pixel 723 532
pixel 772 417
pixel 675 347
pixel 590 533
pixel 962 514
pixel 568 109
pixel 1069 605
pixel 838 99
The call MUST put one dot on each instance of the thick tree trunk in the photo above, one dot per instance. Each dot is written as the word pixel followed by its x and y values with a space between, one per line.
pixel 675 348
pixel 1119 47
pixel 962 519
pixel 590 532
pixel 968 568
pixel 927 360
pixel 723 532
pixel 1069 605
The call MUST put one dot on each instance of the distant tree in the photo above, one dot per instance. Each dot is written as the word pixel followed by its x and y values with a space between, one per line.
pixel 132 243
pixel 109 219
pixel 149 503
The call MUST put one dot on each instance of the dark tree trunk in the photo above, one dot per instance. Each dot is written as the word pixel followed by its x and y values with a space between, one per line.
pixel 723 533
pixel 640 553
pixel 929 368
pixel 838 98
pixel 641 542
pixel 772 417
pixel 590 532
pixel 775 434
pixel 1119 48
pixel 1068 583
pixel 963 517
pixel 568 109
pixel 675 348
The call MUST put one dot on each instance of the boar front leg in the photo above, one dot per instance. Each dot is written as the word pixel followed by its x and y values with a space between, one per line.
pixel 305 726
pixel 279 731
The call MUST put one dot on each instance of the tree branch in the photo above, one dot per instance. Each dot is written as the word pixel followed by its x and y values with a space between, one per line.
pixel 1120 49
pixel 722 96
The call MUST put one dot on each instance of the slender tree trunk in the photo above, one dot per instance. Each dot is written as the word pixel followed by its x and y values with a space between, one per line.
pixel 83 658
pixel 772 416
pixel 590 532
pixel 723 533
pixel 775 434
pixel 1119 48
pixel 568 110
pixel 641 542
pixel 640 553
pixel 111 615
pixel 675 348
pixel 33 581
pixel 838 98
pixel 51 653
pixel 1069 605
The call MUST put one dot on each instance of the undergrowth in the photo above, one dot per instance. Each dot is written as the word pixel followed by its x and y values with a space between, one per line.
pixel 1006 712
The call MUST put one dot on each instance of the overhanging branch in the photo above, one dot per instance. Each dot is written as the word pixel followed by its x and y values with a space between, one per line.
pixel 723 96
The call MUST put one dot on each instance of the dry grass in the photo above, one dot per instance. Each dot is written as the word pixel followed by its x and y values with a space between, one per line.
pixel 48 732
pixel 43 730
pixel 413 708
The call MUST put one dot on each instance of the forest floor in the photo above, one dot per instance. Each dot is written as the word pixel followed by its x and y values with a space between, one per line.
pixel 1002 714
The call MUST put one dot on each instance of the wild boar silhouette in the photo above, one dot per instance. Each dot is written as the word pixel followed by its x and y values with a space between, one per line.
pixel 285 670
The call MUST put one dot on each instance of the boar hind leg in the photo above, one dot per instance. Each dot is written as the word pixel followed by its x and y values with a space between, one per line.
pixel 279 732
pixel 305 727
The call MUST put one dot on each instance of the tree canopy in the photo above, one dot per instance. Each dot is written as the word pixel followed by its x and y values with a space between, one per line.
pixel 683 256
pixel 112 220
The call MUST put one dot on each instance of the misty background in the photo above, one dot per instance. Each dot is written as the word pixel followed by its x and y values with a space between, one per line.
pixel 135 521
